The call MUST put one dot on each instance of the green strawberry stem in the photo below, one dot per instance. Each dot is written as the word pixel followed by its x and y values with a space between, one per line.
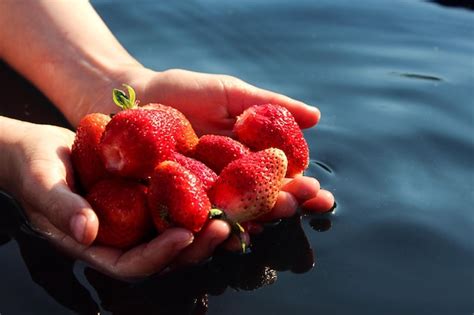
pixel 124 101
pixel 237 229
pixel 240 228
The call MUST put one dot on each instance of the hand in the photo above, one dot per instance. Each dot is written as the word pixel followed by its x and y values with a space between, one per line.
pixel 44 186
pixel 211 103
pixel 47 172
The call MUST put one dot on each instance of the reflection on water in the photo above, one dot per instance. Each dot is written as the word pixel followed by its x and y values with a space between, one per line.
pixel 320 224
pixel 281 247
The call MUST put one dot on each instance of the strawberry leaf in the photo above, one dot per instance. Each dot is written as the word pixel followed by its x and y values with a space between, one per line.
pixel 124 101
pixel 131 94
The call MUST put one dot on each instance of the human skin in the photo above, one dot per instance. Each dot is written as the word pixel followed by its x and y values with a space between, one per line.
pixel 67 51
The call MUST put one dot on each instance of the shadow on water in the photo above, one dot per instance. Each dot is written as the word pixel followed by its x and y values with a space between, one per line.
pixel 320 224
pixel 417 76
pixel 282 247
pixel 467 4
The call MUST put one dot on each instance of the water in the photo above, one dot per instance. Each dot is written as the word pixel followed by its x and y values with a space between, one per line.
pixel 394 81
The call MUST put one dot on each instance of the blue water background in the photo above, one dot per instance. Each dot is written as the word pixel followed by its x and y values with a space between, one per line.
pixel 394 81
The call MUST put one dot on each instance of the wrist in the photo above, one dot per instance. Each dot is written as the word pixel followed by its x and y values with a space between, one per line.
pixel 134 75
pixel 90 87
pixel 11 133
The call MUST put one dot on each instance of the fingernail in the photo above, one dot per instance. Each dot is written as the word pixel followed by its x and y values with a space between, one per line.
pixel 292 203
pixel 78 226
pixel 315 110
pixel 183 240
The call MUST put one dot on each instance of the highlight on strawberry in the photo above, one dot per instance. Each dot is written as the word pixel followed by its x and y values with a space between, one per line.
pixel 85 154
pixel 227 148
pixel 121 208
pixel 145 170
pixel 248 187
pixel 273 126
pixel 177 198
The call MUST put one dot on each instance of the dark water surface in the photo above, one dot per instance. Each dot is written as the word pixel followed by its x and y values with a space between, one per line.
pixel 394 81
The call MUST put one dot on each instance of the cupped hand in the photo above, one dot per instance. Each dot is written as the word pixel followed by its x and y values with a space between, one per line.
pixel 212 102
pixel 44 187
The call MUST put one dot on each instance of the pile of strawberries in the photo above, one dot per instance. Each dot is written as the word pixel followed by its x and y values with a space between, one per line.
pixel 144 169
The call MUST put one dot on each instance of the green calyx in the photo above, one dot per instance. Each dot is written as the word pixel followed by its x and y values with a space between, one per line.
pixel 124 101
pixel 215 213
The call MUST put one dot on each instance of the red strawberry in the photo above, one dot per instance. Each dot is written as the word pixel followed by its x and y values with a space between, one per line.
pixel 85 150
pixel 218 151
pixel 135 141
pixel 177 198
pixel 186 138
pixel 124 219
pixel 248 187
pixel 265 126
pixel 199 169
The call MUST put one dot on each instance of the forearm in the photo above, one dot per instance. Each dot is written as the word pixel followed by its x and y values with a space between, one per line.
pixel 64 48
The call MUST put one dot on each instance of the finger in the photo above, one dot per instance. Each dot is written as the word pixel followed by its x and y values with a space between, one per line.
pixel 244 95
pixel 323 202
pixel 285 207
pixel 58 238
pixel 140 261
pixel 66 210
pixel 213 234
pixel 302 188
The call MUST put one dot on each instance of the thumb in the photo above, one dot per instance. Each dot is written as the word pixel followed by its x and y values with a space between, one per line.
pixel 69 212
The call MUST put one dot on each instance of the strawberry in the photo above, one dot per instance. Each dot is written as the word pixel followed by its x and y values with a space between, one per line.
pixel 248 187
pixel 177 197
pixel 135 141
pixel 183 132
pixel 85 156
pixel 138 139
pixel 120 205
pixel 199 169
pixel 265 126
pixel 218 151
